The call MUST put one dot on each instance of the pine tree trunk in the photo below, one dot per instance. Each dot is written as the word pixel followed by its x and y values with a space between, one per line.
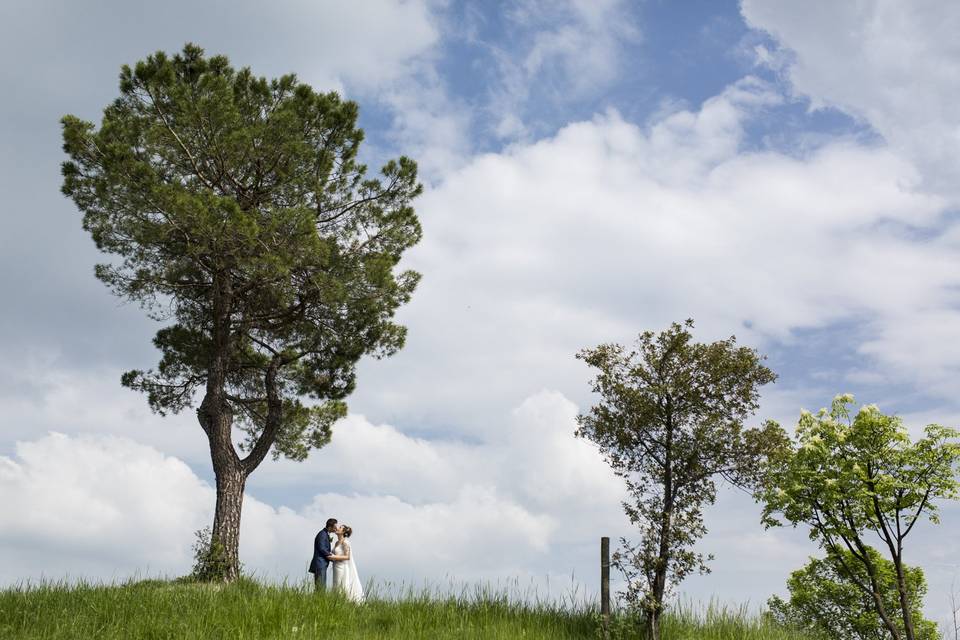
pixel 231 478
pixel 226 520
pixel 216 418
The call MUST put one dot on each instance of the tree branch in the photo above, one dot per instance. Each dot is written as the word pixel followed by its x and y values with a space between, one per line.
pixel 183 147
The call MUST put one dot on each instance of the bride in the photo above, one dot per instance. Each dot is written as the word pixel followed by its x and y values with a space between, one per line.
pixel 345 577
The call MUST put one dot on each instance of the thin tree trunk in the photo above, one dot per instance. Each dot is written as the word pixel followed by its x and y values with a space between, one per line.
pixel 954 610
pixel 875 591
pixel 896 554
pixel 653 625
pixel 904 600
pixel 863 556
pixel 660 573
pixel 881 610
pixel 666 522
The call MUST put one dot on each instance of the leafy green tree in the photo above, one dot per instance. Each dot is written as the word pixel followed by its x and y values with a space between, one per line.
pixel 670 421
pixel 848 477
pixel 825 602
pixel 236 208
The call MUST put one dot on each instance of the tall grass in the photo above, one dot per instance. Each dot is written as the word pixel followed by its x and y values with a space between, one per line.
pixel 686 621
pixel 247 609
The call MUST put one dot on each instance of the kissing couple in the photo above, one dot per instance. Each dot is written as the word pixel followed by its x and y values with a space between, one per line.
pixel 332 545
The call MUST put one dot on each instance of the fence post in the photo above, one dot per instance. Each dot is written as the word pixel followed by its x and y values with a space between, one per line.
pixel 605 584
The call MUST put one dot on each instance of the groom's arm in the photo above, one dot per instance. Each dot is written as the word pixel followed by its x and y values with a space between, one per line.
pixel 323 545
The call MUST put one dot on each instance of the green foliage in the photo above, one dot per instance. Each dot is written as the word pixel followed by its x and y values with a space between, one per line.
pixel 853 475
pixel 848 475
pixel 236 207
pixel 669 422
pixel 825 602
pixel 209 558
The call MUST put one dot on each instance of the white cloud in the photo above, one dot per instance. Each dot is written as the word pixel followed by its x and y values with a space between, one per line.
pixel 582 38
pixel 477 536
pixel 562 51
pixel 366 43
pixel 921 343
pixel 609 228
pixel 428 124
pixel 41 393
pixel 531 457
pixel 578 45
pixel 96 506
pixel 363 457
pixel 101 506
pixel 896 65
pixel 328 43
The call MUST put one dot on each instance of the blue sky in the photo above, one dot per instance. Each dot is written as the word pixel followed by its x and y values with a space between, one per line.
pixel 593 169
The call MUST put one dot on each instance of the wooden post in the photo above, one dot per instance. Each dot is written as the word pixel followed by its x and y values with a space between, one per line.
pixel 605 584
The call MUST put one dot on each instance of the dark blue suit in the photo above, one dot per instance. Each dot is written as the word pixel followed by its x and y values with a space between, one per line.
pixel 319 563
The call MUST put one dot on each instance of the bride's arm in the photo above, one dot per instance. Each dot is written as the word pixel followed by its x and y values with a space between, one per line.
pixel 345 556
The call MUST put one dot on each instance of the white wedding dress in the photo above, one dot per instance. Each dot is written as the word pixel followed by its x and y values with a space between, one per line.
pixel 345 576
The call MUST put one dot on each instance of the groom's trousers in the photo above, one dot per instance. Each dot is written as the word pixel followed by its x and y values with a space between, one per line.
pixel 320 579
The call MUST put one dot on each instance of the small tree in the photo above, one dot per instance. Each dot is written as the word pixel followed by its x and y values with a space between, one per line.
pixel 669 422
pixel 825 602
pixel 209 560
pixel 238 210
pixel 849 477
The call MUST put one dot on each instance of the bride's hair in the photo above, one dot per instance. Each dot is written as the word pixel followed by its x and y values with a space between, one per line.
pixel 347 531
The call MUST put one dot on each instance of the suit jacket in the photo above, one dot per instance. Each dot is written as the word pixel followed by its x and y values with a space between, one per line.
pixel 321 550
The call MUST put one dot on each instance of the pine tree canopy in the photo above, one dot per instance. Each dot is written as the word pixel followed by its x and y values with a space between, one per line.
pixel 236 211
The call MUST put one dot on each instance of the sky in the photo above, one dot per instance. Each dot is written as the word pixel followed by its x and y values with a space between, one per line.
pixel 784 172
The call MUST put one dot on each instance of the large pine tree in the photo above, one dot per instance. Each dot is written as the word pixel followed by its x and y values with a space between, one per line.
pixel 238 213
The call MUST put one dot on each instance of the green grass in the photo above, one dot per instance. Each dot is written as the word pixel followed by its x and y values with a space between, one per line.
pixel 717 622
pixel 156 609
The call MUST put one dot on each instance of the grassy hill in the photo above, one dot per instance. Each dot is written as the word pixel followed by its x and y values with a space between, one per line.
pixel 249 610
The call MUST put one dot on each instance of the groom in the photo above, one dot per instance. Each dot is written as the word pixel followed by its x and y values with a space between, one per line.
pixel 321 553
